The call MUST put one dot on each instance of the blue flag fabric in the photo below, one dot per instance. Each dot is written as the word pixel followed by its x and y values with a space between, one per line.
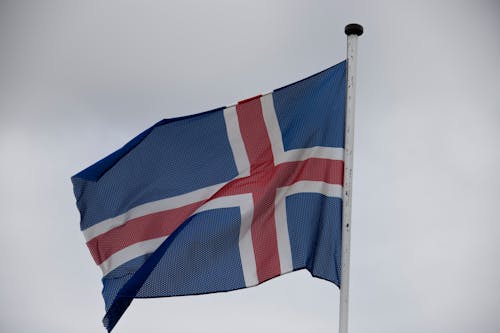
pixel 221 200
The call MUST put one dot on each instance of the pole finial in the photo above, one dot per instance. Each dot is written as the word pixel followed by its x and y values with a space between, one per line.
pixel 353 29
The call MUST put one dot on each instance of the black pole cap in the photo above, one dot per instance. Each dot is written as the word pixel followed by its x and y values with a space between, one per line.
pixel 353 29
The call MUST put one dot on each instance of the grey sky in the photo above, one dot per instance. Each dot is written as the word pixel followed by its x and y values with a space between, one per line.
pixel 79 80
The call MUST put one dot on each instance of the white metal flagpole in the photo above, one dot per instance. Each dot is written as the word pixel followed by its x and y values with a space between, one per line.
pixel 353 31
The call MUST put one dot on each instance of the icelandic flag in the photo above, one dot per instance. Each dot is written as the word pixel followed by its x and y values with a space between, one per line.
pixel 221 200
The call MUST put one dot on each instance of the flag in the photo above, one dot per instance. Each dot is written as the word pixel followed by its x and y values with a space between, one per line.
pixel 221 200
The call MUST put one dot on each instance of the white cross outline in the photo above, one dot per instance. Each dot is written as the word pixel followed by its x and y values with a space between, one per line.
pixel 243 201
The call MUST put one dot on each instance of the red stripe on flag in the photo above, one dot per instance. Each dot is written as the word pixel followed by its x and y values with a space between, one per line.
pixel 286 174
pixel 258 147
pixel 139 229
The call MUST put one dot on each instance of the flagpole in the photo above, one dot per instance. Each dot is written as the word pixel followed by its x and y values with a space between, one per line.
pixel 353 31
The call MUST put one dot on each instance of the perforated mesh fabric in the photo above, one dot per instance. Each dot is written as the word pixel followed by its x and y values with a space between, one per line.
pixel 201 252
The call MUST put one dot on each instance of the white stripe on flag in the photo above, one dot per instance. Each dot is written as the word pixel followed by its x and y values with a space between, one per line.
pixel 236 141
pixel 310 186
pixel 282 235
pixel 247 253
pixel 129 253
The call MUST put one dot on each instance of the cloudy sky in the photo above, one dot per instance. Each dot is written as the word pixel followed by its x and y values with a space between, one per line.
pixel 78 79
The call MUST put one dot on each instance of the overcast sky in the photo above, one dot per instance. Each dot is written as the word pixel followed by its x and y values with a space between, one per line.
pixel 78 79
